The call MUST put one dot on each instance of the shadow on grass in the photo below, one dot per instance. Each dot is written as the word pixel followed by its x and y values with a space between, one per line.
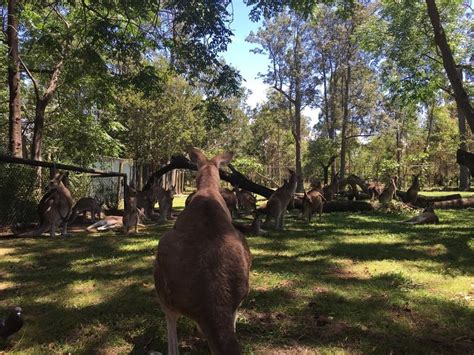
pixel 89 294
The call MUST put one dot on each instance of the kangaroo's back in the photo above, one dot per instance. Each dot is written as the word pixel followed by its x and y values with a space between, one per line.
pixel 202 265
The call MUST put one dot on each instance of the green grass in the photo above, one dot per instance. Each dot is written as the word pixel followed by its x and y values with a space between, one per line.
pixel 464 194
pixel 355 283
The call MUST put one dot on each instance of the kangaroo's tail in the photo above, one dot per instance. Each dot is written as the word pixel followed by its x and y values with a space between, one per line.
pixel 35 232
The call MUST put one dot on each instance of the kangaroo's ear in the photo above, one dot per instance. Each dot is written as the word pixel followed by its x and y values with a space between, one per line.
pixel 196 156
pixel 223 159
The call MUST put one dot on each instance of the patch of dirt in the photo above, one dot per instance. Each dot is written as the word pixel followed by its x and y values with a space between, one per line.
pixel 340 273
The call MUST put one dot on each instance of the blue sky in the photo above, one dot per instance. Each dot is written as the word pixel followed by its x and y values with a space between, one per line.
pixel 249 64
pixel 239 56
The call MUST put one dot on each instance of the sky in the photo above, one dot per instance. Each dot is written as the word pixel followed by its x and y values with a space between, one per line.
pixel 247 63
pixel 239 56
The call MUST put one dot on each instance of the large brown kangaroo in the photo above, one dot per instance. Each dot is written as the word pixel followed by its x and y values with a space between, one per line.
pixel 278 202
pixel 389 192
pixel 428 216
pixel 130 212
pixel 202 265
pixel 54 208
pixel 313 202
pixel 330 191
pixel 412 193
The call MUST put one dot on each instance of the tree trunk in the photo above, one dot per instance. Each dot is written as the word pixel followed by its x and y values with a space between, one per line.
pixel 297 136
pixel 345 119
pixel 463 170
pixel 14 116
pixel 399 149
pixel 460 94
pixel 40 111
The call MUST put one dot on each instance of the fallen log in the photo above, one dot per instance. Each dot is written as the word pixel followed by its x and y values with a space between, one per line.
pixel 347 206
pixel 455 204
pixel 235 178
pixel 423 201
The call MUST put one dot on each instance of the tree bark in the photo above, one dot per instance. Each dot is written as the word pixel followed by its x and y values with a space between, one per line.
pixel 41 104
pixel 14 116
pixel 345 121
pixel 460 94
pixel 297 116
pixel 463 170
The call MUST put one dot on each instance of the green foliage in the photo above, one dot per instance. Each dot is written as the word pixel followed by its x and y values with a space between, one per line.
pixel 320 151
pixel 248 165
pixel 17 184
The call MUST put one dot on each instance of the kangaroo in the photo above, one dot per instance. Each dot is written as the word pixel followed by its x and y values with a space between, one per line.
pixel 412 193
pixel 230 200
pixel 189 198
pixel 165 199
pixel 202 265
pixel 109 222
pixel 428 216
pixel 253 229
pixel 374 190
pixel 84 205
pixel 313 201
pixel 54 208
pixel 147 199
pixel 278 202
pixel 388 192
pixel 245 200
pixel 330 191
pixel 130 212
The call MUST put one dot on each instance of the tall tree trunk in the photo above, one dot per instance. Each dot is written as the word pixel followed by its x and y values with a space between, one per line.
pixel 297 115
pixel 14 116
pixel 464 175
pixel 345 121
pixel 42 102
pixel 297 136
pixel 399 149
pixel 460 94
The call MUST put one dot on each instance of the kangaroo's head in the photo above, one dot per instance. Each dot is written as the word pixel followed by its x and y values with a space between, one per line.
pixel 56 181
pixel 208 169
pixel 429 208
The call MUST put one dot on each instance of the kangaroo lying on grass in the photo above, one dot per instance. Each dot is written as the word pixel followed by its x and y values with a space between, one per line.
pixel 253 229
pixel 202 265
pixel 428 216
pixel 84 205
pixel 109 222
pixel 54 208
pixel 278 202
pixel 313 201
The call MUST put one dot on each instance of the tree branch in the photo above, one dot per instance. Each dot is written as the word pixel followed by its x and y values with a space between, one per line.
pixel 35 83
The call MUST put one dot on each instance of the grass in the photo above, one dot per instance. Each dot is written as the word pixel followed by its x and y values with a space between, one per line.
pixel 464 194
pixel 355 283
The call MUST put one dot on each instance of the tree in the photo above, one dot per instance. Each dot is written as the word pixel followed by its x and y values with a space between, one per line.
pixel 12 29
pixel 460 94
pixel 285 40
